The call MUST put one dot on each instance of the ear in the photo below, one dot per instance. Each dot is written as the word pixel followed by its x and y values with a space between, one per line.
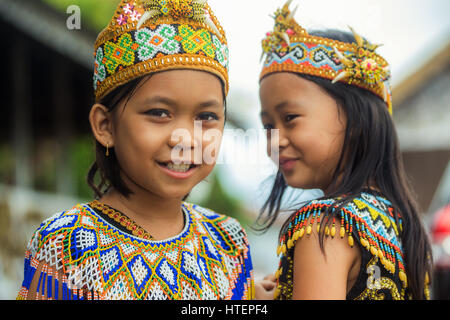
pixel 102 125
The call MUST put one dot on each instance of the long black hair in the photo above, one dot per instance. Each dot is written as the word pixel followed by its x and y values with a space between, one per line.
pixel 370 157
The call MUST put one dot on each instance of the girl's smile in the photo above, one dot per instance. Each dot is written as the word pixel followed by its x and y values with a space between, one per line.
pixel 154 133
pixel 178 171
pixel 287 164
pixel 311 129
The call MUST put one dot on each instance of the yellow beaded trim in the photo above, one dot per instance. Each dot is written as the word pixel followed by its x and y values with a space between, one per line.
pixel 122 219
pixel 181 61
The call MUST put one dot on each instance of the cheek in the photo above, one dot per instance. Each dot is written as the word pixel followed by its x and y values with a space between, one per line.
pixel 136 142
pixel 319 150
pixel 211 142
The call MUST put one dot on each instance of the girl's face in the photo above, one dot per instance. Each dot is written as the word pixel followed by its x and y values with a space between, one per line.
pixel 164 124
pixel 311 129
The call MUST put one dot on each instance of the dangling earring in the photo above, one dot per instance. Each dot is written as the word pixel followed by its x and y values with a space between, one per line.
pixel 107 149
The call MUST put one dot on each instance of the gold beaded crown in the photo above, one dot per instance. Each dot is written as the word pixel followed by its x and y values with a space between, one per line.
pixel 289 48
pixel 147 36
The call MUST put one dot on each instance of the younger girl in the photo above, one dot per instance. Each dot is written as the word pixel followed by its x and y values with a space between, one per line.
pixel 160 68
pixel 328 95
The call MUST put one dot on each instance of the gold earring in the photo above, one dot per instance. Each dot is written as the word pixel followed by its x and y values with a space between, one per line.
pixel 107 149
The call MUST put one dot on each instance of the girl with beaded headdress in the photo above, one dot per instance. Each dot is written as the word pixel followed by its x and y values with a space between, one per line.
pixel 161 76
pixel 327 94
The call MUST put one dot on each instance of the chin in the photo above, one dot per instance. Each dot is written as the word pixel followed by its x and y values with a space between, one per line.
pixel 175 192
pixel 300 183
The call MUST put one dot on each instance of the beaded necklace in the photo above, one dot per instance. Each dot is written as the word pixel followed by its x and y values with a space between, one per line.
pixel 124 221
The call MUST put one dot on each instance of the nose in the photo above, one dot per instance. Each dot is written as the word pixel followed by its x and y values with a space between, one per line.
pixel 281 139
pixel 186 142
pixel 186 136
pixel 277 142
pixel 183 139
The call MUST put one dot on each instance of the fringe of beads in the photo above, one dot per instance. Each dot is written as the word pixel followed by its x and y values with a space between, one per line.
pixel 49 284
pixel 301 225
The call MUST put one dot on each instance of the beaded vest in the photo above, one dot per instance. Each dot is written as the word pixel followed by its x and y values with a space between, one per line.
pixel 367 221
pixel 209 259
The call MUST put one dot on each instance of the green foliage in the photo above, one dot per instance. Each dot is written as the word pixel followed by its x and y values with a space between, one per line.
pixel 95 13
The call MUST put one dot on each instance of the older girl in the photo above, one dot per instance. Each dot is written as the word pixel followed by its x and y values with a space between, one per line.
pixel 161 69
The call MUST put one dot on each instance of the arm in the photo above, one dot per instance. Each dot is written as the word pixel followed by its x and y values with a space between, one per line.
pixel 323 277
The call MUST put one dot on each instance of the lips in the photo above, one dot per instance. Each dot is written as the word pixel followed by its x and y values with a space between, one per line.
pixel 178 171
pixel 177 167
pixel 287 164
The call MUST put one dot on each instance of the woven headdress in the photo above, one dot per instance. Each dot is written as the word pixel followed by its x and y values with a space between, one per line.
pixel 289 48
pixel 147 36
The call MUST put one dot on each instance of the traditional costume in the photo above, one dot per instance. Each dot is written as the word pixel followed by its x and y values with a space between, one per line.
pixel 96 252
pixel 104 255
pixel 369 219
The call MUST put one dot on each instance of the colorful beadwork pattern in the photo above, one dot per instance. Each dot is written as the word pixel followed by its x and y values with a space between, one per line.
pixel 368 220
pixel 210 259
pixel 289 48
pixel 181 34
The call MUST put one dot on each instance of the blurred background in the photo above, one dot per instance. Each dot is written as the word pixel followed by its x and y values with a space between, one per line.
pixel 46 94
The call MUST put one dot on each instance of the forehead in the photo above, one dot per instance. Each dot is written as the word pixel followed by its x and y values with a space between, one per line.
pixel 289 90
pixel 186 85
pixel 284 83
pixel 277 89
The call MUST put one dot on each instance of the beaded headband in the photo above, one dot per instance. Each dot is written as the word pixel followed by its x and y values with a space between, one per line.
pixel 289 48
pixel 147 36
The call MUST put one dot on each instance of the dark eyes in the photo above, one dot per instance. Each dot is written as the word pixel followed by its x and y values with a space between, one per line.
pixel 165 114
pixel 158 113
pixel 286 119
pixel 290 117
pixel 208 116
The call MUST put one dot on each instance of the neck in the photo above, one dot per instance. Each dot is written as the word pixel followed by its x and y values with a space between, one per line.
pixel 146 207
pixel 161 217
pixel 372 186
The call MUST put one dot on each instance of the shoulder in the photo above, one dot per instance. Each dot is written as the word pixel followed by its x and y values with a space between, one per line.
pixel 376 212
pixel 347 215
pixel 221 226
pixel 53 231
pixel 367 208
pixel 210 216
pixel 367 219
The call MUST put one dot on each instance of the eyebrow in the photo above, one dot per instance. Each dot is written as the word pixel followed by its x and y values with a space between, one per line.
pixel 279 106
pixel 171 102
pixel 160 99
pixel 209 103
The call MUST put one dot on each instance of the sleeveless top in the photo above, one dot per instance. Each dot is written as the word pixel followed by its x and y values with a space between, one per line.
pixel 367 221
pixel 102 260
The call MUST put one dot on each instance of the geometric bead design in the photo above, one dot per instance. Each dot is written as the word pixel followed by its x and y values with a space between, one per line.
pixel 368 219
pixel 128 49
pixel 145 44
pixel 290 48
pixel 106 262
